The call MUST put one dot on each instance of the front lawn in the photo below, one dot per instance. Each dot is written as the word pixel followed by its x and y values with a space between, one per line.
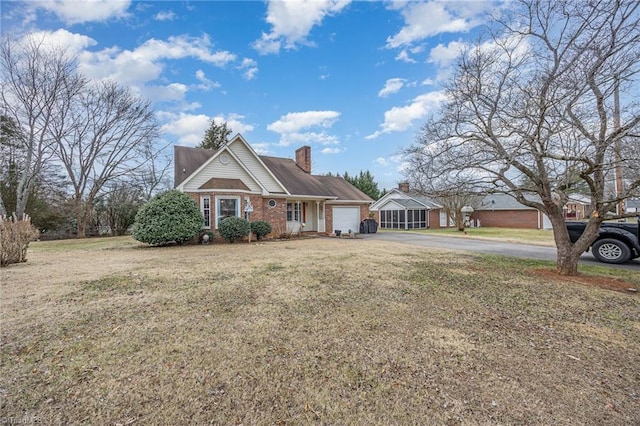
pixel 312 331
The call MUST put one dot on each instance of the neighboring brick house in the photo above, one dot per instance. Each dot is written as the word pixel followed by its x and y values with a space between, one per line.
pixel 503 211
pixel 281 191
pixel 402 208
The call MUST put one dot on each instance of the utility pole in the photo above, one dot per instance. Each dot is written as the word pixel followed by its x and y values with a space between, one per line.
pixel 617 147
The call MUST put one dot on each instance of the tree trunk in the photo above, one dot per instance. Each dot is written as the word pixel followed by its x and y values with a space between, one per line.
pixel 82 218
pixel 567 261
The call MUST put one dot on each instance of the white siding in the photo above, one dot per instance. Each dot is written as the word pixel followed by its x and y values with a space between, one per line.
pixel 391 205
pixel 252 163
pixel 231 170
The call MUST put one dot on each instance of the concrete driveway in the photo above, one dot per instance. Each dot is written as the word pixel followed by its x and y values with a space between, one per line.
pixel 486 246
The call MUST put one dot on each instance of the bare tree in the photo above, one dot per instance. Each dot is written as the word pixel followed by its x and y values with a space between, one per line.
pixel 38 84
pixel 534 102
pixel 155 175
pixel 112 135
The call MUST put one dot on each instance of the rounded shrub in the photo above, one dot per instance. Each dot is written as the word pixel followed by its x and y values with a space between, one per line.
pixel 168 217
pixel 233 228
pixel 260 228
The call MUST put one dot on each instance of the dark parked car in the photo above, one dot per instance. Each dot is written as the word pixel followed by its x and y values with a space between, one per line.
pixel 617 242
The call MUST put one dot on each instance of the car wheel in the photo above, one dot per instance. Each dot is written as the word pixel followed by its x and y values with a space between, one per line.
pixel 609 250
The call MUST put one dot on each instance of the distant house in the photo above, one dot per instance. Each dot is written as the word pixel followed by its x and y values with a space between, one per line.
pixel 503 211
pixel 577 207
pixel 632 205
pixel 235 181
pixel 402 208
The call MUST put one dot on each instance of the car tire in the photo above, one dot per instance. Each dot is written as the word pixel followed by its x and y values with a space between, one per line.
pixel 609 250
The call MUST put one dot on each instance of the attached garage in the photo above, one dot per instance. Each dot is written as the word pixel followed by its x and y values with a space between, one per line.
pixel 345 218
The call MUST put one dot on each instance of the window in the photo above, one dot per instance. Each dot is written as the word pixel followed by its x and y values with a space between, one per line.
pixel 205 208
pixel 403 219
pixel 227 207
pixel 293 212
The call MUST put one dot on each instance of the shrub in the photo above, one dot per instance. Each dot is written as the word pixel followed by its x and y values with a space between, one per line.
pixel 233 228
pixel 260 228
pixel 15 236
pixel 170 216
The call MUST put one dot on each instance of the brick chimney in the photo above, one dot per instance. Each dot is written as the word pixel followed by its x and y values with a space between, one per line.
pixel 403 186
pixel 303 158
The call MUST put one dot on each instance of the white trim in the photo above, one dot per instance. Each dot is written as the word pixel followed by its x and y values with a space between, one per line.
pixel 202 208
pixel 239 136
pixel 226 197
pixel 226 150
pixel 241 191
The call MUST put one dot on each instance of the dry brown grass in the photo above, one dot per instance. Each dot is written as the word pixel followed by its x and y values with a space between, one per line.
pixel 326 331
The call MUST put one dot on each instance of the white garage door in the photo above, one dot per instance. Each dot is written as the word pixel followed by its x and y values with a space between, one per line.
pixel 345 218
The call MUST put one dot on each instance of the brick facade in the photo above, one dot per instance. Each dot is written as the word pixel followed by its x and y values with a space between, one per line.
pixel 525 219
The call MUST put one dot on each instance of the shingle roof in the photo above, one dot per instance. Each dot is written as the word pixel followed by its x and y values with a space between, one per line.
pixel 501 202
pixel 633 203
pixel 298 182
pixel 187 160
pixel 293 178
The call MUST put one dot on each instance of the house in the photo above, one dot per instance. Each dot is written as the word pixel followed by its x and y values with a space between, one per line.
pixel 504 211
pixel 235 181
pixel 632 205
pixel 577 207
pixel 401 208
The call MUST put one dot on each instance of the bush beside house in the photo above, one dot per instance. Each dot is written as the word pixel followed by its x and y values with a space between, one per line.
pixel 233 228
pixel 172 216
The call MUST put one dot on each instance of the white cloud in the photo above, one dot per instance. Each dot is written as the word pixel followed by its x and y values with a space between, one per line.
pixel 170 92
pixel 443 56
pixel 261 148
pixel 404 57
pixel 250 68
pixel 291 22
pixel 188 128
pixel 392 85
pixel 205 84
pixel 424 20
pixel 62 39
pixel 234 122
pixel 331 150
pixel 298 127
pixel 399 119
pixel 381 161
pixel 76 12
pixel 296 121
pixel 146 62
pixel 307 138
pixel 165 16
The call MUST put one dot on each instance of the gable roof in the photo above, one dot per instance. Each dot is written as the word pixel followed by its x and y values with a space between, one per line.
pixel 187 160
pixel 408 200
pixel 296 182
pixel 499 201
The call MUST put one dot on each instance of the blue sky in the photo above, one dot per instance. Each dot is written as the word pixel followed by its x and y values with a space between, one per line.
pixel 354 80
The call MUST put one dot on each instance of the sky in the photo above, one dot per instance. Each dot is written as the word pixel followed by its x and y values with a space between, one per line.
pixel 355 80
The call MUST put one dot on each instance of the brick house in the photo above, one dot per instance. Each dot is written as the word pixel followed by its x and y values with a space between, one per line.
pixel 235 181
pixel 402 208
pixel 503 211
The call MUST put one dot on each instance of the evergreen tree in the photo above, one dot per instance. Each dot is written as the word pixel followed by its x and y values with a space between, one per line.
pixel 365 182
pixel 216 136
